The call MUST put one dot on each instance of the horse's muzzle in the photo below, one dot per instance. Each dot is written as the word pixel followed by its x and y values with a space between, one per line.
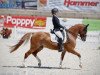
pixel 83 39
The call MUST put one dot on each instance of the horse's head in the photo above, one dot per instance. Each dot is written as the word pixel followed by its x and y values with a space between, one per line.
pixel 83 32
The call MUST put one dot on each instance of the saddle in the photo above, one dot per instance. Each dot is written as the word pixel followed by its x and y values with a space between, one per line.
pixel 54 37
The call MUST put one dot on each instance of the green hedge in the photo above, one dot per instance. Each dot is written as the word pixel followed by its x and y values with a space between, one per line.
pixel 94 25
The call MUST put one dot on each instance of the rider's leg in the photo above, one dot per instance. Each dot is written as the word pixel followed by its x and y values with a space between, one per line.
pixel 60 40
pixel 63 34
pixel 60 45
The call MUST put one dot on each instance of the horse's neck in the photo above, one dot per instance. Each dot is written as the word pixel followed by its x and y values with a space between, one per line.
pixel 74 31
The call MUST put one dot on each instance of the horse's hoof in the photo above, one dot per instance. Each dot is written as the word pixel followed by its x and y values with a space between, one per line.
pixel 60 66
pixel 80 66
pixel 39 64
pixel 24 65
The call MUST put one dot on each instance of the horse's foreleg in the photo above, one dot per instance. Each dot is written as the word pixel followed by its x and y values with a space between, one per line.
pixel 39 61
pixel 61 59
pixel 76 53
pixel 80 63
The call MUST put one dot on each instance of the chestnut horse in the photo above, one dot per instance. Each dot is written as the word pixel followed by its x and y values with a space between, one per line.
pixel 39 40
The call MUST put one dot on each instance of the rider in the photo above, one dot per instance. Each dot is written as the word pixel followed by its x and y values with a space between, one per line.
pixel 58 29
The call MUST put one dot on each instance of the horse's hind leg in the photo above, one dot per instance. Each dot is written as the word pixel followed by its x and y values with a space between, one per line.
pixel 26 55
pixel 35 54
pixel 76 53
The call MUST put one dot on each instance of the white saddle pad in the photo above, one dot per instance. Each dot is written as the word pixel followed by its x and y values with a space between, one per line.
pixel 54 38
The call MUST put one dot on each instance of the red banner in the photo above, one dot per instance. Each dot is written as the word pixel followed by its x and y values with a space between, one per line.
pixel 25 21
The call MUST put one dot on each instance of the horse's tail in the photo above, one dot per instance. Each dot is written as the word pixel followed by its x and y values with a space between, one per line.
pixel 25 39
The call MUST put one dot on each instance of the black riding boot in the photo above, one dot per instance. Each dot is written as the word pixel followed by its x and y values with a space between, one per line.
pixel 60 45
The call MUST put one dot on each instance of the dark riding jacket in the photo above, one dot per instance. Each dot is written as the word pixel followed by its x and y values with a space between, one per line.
pixel 56 23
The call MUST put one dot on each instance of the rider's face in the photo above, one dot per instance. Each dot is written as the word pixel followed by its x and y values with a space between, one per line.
pixel 57 13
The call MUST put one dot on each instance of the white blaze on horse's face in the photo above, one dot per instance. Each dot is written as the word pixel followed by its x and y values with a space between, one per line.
pixel 83 33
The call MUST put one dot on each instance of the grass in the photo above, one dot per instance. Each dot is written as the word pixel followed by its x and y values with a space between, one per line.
pixel 94 25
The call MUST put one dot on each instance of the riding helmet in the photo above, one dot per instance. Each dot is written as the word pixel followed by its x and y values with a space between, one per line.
pixel 54 10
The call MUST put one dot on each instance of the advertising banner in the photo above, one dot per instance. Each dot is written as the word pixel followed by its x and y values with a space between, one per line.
pixel 69 5
pixel 23 21
pixel 73 5
pixel 83 5
pixel 42 3
pixel 19 4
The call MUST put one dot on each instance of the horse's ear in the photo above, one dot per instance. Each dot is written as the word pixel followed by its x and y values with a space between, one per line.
pixel 85 28
pixel 87 25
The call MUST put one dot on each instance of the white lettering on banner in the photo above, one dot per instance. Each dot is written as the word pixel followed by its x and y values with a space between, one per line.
pixel 19 21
